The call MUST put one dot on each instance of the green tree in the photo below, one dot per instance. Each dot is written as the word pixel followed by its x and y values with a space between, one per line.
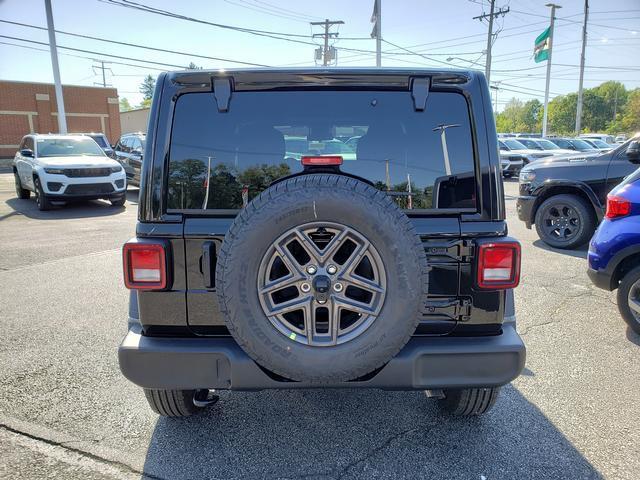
pixel 630 122
pixel 193 66
pixel 147 87
pixel 507 120
pixel 125 106
pixel 530 118
pixel 562 114
pixel 146 103
pixel 613 96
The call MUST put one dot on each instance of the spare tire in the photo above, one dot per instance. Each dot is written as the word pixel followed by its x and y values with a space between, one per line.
pixel 321 278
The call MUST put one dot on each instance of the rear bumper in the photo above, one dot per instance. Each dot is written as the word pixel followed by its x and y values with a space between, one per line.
pixel 424 363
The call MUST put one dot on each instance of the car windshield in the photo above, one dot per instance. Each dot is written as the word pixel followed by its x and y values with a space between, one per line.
pixel 514 145
pixel 581 144
pixel 530 143
pixel 68 147
pixel 99 139
pixel 599 143
pixel 547 145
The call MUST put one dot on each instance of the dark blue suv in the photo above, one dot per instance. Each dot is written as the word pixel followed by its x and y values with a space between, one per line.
pixel 614 251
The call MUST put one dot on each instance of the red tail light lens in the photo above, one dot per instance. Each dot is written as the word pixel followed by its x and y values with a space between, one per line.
pixel 617 207
pixel 322 161
pixel 499 265
pixel 145 266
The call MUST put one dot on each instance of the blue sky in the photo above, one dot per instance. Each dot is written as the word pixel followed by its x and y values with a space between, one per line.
pixel 436 29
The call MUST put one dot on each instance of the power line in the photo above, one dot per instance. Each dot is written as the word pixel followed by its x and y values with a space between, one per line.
pixel 182 67
pixel 272 10
pixel 146 47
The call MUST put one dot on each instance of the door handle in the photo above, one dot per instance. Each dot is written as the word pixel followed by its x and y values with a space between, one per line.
pixel 209 264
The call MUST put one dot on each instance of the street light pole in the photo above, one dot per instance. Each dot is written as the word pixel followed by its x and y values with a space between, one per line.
pixel 62 118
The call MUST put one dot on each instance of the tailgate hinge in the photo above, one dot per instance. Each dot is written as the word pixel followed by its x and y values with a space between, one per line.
pixel 222 91
pixel 455 308
pixel 459 250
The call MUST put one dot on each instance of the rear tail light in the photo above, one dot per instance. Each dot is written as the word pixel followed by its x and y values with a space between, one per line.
pixel 499 265
pixel 322 160
pixel 617 207
pixel 145 266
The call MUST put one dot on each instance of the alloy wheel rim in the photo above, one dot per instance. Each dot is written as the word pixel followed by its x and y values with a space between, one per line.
pixel 561 222
pixel 322 284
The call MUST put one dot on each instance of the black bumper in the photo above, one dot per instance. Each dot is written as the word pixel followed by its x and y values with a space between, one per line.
pixel 424 363
pixel 524 206
pixel 600 278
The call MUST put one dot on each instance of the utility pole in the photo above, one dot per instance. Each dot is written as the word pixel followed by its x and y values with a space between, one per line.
pixel 584 45
pixel 104 69
pixel 491 15
pixel 327 53
pixel 62 118
pixel 376 19
pixel 546 88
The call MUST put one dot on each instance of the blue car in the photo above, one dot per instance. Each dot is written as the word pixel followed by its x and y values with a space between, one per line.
pixel 614 251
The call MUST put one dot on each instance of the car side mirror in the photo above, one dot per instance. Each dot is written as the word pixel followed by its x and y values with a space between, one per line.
pixel 633 152
pixel 26 152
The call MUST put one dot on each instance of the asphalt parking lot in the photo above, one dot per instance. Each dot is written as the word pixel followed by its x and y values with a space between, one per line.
pixel 66 411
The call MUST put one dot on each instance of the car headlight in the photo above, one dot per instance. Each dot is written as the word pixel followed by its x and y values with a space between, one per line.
pixel 54 171
pixel 115 169
pixel 527 176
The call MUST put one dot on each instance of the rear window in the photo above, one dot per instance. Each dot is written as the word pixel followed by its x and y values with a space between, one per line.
pixel 423 160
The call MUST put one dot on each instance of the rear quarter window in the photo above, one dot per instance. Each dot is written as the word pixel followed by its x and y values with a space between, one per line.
pixel 220 161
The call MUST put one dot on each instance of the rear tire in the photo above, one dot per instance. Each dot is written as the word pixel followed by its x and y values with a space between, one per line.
pixel 172 403
pixel 576 221
pixel 41 198
pixel 468 402
pixel 22 193
pixel 628 291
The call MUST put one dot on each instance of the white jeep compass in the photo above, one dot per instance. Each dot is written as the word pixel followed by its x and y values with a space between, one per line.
pixel 59 168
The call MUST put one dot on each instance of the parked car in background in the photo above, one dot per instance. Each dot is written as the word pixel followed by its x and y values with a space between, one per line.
pixel 614 251
pixel 605 137
pixel 129 152
pixel 575 144
pixel 598 144
pixel 513 148
pixel 545 146
pixel 102 141
pixel 60 168
pixel 564 197
pixel 621 138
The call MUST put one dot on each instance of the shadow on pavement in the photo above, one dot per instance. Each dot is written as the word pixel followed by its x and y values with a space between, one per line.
pixel 76 209
pixel 578 253
pixel 360 434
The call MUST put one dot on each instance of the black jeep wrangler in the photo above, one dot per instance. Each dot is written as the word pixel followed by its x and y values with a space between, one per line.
pixel 321 228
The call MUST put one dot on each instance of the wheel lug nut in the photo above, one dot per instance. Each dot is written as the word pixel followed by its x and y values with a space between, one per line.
pixel 332 269
pixel 337 287
pixel 311 269
pixel 305 287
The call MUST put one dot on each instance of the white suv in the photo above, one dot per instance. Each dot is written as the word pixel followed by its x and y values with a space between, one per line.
pixel 66 167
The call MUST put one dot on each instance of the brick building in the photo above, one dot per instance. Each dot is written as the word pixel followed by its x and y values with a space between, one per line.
pixel 31 107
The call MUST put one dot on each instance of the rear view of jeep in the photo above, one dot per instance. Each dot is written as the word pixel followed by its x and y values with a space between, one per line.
pixel 321 229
